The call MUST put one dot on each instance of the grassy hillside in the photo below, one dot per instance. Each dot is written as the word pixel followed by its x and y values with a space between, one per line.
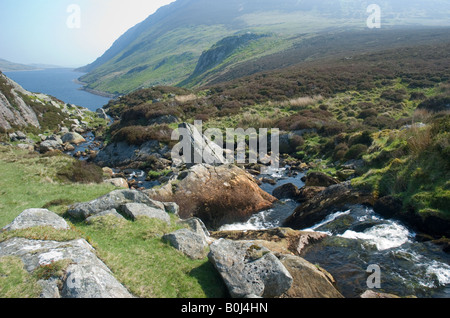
pixel 165 48
pixel 134 251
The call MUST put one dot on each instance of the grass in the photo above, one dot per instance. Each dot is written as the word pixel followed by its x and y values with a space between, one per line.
pixel 134 251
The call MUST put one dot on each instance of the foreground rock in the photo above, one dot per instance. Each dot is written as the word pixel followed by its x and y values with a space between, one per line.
pixel 217 195
pixel 83 275
pixel 330 200
pixel 249 270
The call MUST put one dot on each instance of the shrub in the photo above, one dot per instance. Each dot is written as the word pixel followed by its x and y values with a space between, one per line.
pixel 81 172
pixel 394 95
pixel 356 152
pixel 436 104
pixel 138 135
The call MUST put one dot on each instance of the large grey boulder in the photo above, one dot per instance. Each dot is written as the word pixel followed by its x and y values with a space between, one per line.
pixel 135 210
pixel 190 243
pixel 249 269
pixel 198 145
pixel 37 217
pixel 86 276
pixel 114 200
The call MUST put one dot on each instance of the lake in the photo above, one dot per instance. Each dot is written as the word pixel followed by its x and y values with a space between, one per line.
pixel 59 83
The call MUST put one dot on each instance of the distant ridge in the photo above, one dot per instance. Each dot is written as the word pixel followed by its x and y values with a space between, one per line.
pixel 167 47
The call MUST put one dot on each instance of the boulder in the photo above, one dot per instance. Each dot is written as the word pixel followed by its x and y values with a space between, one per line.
pixel 330 200
pixel 49 145
pixel 200 146
pixel 307 193
pixel 118 182
pixel 309 281
pixel 373 294
pixel 190 243
pixel 85 275
pixel 279 240
pixel 197 226
pixel 37 217
pixel 286 191
pixel 135 210
pixel 217 195
pixel 114 200
pixel 319 179
pixel 73 138
pixel 121 154
pixel 249 269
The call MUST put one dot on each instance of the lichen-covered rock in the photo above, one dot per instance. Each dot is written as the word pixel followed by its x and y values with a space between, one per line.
pixel 86 276
pixel 190 243
pixel 37 217
pixel 249 269
pixel 114 200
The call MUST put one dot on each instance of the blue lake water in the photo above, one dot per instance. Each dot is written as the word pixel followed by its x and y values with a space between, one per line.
pixel 59 83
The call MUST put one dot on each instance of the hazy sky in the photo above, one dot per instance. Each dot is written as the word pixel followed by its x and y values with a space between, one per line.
pixel 66 32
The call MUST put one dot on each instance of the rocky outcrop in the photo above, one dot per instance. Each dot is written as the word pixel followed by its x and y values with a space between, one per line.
pixel 222 50
pixel 83 274
pixel 14 111
pixel 330 200
pixel 249 270
pixel 217 195
pixel 121 154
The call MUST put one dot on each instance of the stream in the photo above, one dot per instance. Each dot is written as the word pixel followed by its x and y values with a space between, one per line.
pixel 357 238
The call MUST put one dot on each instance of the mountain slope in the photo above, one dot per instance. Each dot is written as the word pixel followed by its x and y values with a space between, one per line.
pixel 166 47
pixel 7 66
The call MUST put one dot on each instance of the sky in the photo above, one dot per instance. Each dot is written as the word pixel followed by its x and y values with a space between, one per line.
pixel 69 33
